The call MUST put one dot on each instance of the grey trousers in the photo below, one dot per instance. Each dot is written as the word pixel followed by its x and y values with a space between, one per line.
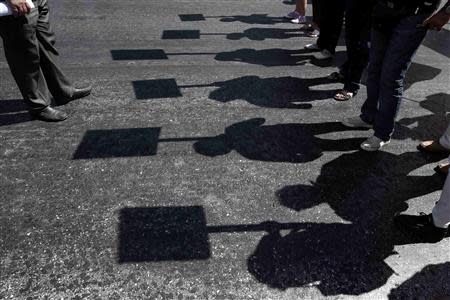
pixel 441 211
pixel 29 49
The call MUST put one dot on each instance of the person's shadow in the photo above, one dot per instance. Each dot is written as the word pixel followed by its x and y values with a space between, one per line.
pixel 430 126
pixel 261 34
pixel 274 92
pixel 294 143
pixel 262 19
pixel 364 189
pixel 13 112
pixel 432 282
pixel 267 57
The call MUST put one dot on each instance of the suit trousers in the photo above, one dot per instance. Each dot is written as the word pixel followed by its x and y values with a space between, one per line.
pixel 29 50
pixel 331 19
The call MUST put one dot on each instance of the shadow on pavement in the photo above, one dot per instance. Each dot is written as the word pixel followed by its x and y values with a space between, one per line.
pixel 13 112
pixel 432 282
pixel 426 127
pixel 420 72
pixel 275 92
pixel 267 57
pixel 261 34
pixel 294 143
pixel 365 189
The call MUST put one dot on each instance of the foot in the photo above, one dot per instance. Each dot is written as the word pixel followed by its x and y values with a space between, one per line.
pixel 312 47
pixel 49 114
pixel 373 144
pixel 356 122
pixel 81 93
pixel 421 227
pixel 336 76
pixel 313 33
pixel 442 168
pixel 324 54
pixel 432 146
pixel 293 15
pixel 344 95
pixel 299 20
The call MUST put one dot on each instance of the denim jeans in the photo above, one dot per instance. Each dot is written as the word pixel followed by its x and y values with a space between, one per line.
pixel 390 57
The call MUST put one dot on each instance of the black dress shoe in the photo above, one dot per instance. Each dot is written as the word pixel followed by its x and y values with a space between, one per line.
pixel 81 93
pixel 420 227
pixel 49 114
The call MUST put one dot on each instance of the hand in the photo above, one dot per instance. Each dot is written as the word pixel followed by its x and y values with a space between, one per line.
pixel 19 7
pixel 437 21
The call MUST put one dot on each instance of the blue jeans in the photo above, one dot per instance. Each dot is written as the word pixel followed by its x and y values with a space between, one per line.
pixel 390 57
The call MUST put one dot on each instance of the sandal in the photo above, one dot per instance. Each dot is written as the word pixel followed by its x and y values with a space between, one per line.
pixel 432 146
pixel 344 95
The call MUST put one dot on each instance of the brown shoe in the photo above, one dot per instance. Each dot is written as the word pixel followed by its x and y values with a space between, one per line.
pixel 432 146
pixel 442 168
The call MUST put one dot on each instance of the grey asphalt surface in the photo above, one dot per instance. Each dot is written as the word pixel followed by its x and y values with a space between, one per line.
pixel 210 164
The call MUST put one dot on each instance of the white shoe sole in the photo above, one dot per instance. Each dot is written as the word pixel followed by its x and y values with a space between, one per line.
pixel 370 149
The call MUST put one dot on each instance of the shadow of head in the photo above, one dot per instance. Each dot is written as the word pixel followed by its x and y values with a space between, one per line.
pixel 336 258
pixel 275 92
pixel 277 143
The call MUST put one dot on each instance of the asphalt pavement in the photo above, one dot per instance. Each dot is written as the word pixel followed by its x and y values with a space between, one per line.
pixel 210 163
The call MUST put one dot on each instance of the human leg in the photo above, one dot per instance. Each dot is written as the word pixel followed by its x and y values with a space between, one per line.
pixel 21 48
pixel 59 85
pixel 403 44
pixel 378 43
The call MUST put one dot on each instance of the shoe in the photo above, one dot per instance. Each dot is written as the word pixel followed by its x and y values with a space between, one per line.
pixel 336 76
pixel 312 47
pixel 373 144
pixel 324 54
pixel 356 122
pixel 81 93
pixel 49 114
pixel 313 33
pixel 421 227
pixel 292 15
pixel 442 169
pixel 299 20
pixel 432 146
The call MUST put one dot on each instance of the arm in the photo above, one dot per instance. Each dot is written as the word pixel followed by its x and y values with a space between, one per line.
pixel 439 19
pixel 19 7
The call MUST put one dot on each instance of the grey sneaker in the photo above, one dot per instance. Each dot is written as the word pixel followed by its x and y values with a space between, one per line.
pixel 299 20
pixel 356 122
pixel 373 144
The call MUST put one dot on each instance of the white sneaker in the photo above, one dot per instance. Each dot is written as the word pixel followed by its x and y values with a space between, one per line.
pixel 299 20
pixel 312 47
pixel 324 54
pixel 356 122
pixel 373 144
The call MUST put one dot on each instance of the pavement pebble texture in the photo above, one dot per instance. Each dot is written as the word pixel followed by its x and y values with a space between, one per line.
pixel 210 163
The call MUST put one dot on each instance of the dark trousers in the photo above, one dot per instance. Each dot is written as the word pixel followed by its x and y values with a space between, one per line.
pixel 29 49
pixel 331 18
pixel 357 39
pixel 391 54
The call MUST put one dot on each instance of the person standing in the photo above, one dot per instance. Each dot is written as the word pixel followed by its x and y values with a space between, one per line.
pixel 357 37
pixel 28 42
pixel 398 29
